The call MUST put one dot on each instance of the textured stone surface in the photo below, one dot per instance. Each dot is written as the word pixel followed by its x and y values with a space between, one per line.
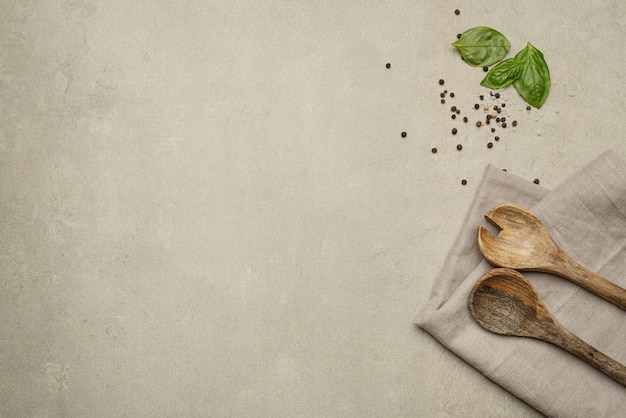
pixel 207 209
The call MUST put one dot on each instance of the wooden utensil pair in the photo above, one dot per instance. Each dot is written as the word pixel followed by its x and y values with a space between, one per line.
pixel 504 302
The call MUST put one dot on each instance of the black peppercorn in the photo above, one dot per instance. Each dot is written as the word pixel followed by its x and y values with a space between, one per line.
pixel 465 119
pixel 514 123
pixel 453 109
pixel 479 124
pixel 454 116
pixel 403 134
pixel 454 131
pixel 463 182
pixel 451 94
pixel 504 125
pixel 459 147
pixel 442 95
pixel 458 36
pixel 528 108
pixel 485 69
pixel 457 12
pixel 434 150
pixel 443 101
pixel 490 145
pixel 481 97
pixel 497 95
pixel 441 82
pixel 476 106
pixel 536 181
pixel 497 138
pixel 493 130
pixel 388 65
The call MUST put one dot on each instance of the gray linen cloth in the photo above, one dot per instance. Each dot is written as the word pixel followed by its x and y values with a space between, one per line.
pixel 587 218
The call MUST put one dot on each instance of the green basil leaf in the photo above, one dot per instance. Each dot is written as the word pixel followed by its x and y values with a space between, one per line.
pixel 482 46
pixel 503 74
pixel 533 83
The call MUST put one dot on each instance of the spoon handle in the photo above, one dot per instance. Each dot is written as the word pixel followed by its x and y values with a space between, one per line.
pixel 568 268
pixel 573 344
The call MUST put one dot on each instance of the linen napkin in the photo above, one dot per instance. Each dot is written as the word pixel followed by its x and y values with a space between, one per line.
pixel 586 216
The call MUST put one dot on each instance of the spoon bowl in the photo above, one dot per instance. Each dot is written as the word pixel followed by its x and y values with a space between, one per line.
pixel 504 302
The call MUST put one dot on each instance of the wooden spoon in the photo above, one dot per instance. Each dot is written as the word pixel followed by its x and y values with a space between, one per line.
pixel 504 302
pixel 525 244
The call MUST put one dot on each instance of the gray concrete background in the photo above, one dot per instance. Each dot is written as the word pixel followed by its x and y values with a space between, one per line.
pixel 207 208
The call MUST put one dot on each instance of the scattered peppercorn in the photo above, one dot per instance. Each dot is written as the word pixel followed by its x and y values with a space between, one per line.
pixel 453 109
pixel 528 108
pixel 476 106
pixel 503 119
pixel 536 181
pixel 498 120
pixel 454 116
pixel 503 124
pixel 451 94
pixel 434 150
pixel 388 65
pixel 479 123
pixel 458 111
pixel 454 131
pixel 490 145
pixel 458 36
pixel 463 182
pixel 493 130
pixel 465 119
pixel 403 134
pixel 497 138
pixel 503 104
pixel 481 97
pixel 459 147
pixel 457 12
pixel 441 81
pixel 514 123
pixel 485 69
pixel 443 101
pixel 442 95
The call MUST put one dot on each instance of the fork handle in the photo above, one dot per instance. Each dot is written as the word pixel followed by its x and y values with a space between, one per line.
pixel 566 267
